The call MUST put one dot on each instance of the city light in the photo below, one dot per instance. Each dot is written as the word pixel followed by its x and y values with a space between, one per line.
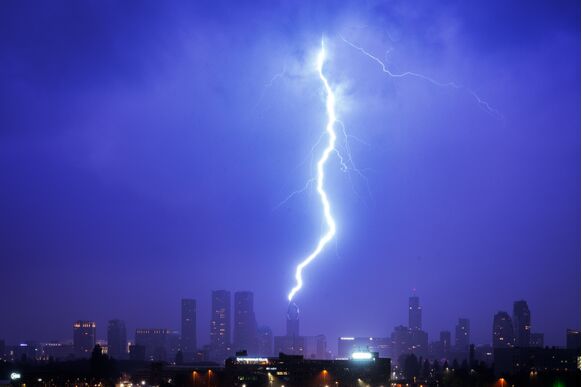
pixel 362 356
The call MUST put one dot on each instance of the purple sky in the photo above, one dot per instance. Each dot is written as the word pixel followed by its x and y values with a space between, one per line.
pixel 142 159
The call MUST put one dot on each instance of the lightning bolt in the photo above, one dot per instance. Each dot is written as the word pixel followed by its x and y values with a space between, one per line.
pixel 267 86
pixel 329 149
pixel 482 103
pixel 332 120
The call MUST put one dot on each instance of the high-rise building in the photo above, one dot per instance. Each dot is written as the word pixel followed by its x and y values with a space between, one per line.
pixel 445 342
pixel 502 331
pixel 264 341
pixel 536 340
pixel 419 341
pixel 573 339
pixel 84 338
pixel 245 324
pixel 292 320
pixel 414 313
pixel 220 325
pixel 521 324
pixel 159 344
pixel 462 335
pixel 292 343
pixel 116 339
pixel 188 334
pixel 401 342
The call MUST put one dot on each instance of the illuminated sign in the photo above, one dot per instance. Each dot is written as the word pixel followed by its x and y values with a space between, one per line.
pixel 252 360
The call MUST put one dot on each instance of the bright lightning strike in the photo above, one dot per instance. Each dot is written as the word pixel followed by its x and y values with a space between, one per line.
pixel 332 137
pixel 484 104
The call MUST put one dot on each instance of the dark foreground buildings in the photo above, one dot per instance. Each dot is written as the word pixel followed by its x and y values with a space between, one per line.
pixel 542 367
pixel 296 371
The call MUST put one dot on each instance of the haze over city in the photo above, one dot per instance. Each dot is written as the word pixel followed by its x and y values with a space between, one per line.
pixel 148 151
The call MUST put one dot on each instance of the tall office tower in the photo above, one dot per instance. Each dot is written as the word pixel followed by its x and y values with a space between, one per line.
pixel 264 341
pixel 536 340
pixel 419 341
pixel 502 331
pixel 188 334
pixel 117 339
pixel 462 335
pixel 445 341
pixel 521 323
pixel 292 343
pixel 573 339
pixel 292 320
pixel 220 325
pixel 414 313
pixel 401 341
pixel 245 325
pixel 159 344
pixel 84 338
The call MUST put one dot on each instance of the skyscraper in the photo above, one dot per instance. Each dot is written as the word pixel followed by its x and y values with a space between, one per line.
pixel 264 341
pixel 414 313
pixel 245 325
pixel 188 334
pixel 445 342
pixel 220 325
pixel 502 331
pixel 292 320
pixel 462 335
pixel 419 341
pixel 84 338
pixel 401 341
pixel 521 324
pixel 116 339
pixel 159 344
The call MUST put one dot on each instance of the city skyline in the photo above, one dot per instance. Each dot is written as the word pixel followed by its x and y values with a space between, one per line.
pixel 457 338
